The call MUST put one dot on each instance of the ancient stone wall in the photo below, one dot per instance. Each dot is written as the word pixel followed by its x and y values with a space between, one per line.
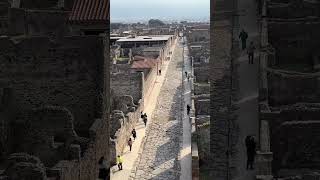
pixel 67 73
pixel 201 88
pixel 128 84
pixel 123 134
pixel 201 73
pixel 97 147
pixel 293 10
pixel 35 22
pixel 285 88
pixel 222 116
pixel 202 105
pixel 149 82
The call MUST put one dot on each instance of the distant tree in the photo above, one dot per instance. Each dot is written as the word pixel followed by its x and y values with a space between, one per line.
pixel 155 23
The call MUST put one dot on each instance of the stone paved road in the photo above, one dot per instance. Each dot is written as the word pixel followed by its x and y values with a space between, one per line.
pixel 160 156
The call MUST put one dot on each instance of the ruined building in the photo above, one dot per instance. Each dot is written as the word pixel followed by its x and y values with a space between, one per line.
pixel 289 89
pixel 199 51
pixel 54 91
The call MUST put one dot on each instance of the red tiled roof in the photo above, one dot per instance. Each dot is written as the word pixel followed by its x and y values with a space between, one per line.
pixel 140 62
pixel 90 11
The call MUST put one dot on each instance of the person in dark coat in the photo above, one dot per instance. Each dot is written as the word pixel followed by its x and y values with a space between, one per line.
pixel 130 143
pixel 243 36
pixel 145 119
pixel 186 73
pixel 103 169
pixel 188 109
pixel 134 134
pixel 250 52
pixel 251 151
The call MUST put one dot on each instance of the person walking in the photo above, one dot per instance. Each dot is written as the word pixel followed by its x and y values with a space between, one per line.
pixel 243 36
pixel 145 119
pixel 134 134
pixel 141 115
pixel 103 169
pixel 119 162
pixel 188 109
pixel 159 72
pixel 186 73
pixel 130 144
pixel 247 142
pixel 250 52
pixel 251 151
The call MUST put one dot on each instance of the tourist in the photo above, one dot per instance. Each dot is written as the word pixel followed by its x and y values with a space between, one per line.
pixel 251 151
pixel 134 134
pixel 103 169
pixel 250 52
pixel 145 119
pixel 141 115
pixel 186 73
pixel 159 72
pixel 130 143
pixel 188 109
pixel 243 36
pixel 119 162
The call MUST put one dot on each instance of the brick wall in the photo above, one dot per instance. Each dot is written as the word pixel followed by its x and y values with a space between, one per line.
pixel 201 88
pixel 128 84
pixel 288 88
pixel 34 22
pixel 222 112
pixel 149 83
pixel 67 73
pixel 72 73
pixel 201 73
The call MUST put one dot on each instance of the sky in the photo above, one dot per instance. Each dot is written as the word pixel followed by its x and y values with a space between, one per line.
pixel 139 10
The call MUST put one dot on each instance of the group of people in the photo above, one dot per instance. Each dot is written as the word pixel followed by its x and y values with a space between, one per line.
pixel 250 49
pixel 251 151
pixel 130 141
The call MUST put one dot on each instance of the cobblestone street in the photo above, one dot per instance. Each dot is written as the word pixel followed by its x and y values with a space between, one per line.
pixel 160 155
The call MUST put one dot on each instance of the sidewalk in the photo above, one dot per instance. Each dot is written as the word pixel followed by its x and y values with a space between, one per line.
pixel 185 153
pixel 248 96
pixel 149 106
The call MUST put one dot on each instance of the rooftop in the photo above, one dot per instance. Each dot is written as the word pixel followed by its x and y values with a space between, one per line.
pixel 146 38
pixel 141 62
pixel 90 11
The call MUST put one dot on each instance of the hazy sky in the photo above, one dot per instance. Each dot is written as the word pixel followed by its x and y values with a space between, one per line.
pixel 146 9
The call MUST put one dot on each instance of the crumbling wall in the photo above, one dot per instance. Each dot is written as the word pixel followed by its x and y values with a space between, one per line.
pixel 202 105
pixel 97 147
